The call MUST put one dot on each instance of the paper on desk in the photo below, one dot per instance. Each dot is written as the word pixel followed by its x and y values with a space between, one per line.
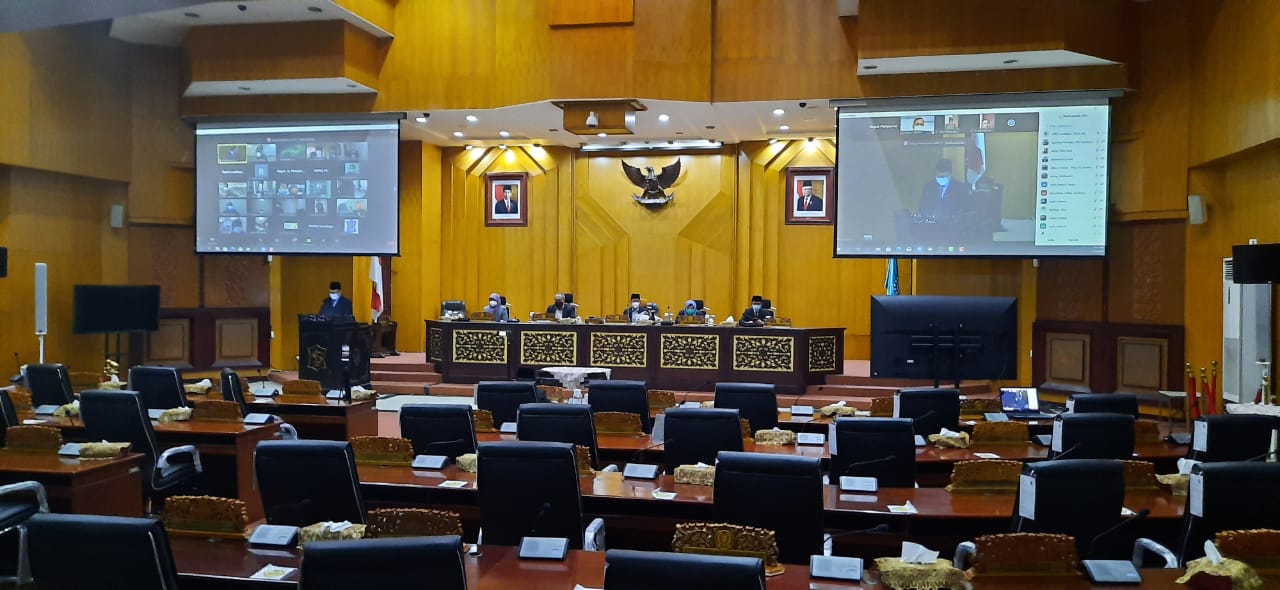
pixel 916 553
pixel 453 483
pixel 203 383
pixel 272 572
pixel 907 508
pixel 986 455
pixel 1211 551
pixel 661 495
pixel 1185 465
pixel 581 587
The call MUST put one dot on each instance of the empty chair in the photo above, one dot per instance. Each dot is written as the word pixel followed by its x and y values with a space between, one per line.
pixel 400 562
pixel 49 384
pixel 697 435
pixel 503 398
pixel 303 482
pixel 931 409
pixel 19 502
pixel 1114 403
pixel 1235 495
pixel 8 414
pixel 453 305
pixel 757 402
pixel 558 423
pixel 232 392
pixel 446 429
pixel 76 551
pixel 631 397
pixel 1097 435
pixel 777 492
pixel 1077 497
pixel 161 387
pixel 119 416
pixel 883 448
pixel 531 489
pixel 1231 437
pixel 646 570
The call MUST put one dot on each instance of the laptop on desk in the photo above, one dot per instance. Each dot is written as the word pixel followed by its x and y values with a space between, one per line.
pixel 1023 403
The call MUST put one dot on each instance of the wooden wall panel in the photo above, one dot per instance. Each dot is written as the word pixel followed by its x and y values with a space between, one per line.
pixel 1142 365
pixel 236 281
pixel 382 13
pixel 1070 289
pixel 673 49
pixel 1146 276
pixel 1068 360
pixel 162 182
pixel 563 13
pixel 415 274
pixel 898 28
pixel 268 51
pixel 165 256
pixel 235 341
pixel 169 346
pixel 592 61
pixel 362 55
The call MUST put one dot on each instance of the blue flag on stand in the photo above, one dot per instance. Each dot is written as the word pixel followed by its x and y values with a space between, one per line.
pixel 891 277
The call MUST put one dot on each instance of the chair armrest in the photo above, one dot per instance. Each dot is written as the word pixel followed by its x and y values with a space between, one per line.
pixel 162 461
pixel 27 487
pixel 964 553
pixel 1144 545
pixel 593 539
pixel 610 468
pixel 287 431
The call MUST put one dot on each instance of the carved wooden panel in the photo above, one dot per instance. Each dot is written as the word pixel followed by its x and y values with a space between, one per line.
pixel 235 342
pixel 164 256
pixel 1068 359
pixel 170 345
pixel 236 281
pixel 1141 364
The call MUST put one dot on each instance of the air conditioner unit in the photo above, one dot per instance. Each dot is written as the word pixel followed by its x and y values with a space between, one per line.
pixel 1246 336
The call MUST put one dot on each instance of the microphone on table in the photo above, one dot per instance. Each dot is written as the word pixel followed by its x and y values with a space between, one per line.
pixel 636 456
pixel 546 507
pixel 923 416
pixel 1119 525
pixel 1261 457
pixel 1066 452
pixel 850 467
pixel 440 443
pixel 880 528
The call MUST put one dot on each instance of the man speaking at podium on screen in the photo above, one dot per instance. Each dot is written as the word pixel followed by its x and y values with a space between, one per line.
pixel 336 307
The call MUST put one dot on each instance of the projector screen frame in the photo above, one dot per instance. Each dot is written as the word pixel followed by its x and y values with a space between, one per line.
pixel 973 101
pixel 294 119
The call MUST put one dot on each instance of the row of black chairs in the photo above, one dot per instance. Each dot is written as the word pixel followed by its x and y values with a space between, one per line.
pixel 160 387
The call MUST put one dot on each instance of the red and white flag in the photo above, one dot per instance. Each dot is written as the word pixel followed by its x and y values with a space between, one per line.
pixel 375 275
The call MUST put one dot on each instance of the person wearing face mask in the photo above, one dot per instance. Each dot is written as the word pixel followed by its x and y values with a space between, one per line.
pixel 336 306
pixel 755 315
pixel 495 309
pixel 944 198
pixel 561 310
pixel 690 308
pixel 635 312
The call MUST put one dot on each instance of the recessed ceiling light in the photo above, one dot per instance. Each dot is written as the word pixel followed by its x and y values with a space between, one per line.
pixel 315 9
pixel 503 134
pixel 420 119
pixel 870 67
pixel 810 140
pixel 602 134
pixel 190 15
pixel 244 88
pixel 468 147
pixel 784 128
pixel 1010 61
pixel 351 85
pixel 552 130
pixel 778 112
pixel 664 117
pixel 458 134
pixel 472 118
pixel 773 140
pixel 502 146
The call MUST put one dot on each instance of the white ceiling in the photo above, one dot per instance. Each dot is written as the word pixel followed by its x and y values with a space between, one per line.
pixel 169 27
pixel 337 85
pixel 971 62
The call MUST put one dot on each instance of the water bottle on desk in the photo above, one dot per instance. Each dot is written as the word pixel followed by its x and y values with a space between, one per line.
pixel 577 397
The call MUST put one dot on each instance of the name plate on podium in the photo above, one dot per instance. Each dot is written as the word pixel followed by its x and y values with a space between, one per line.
pixel 801 410
pixel 850 483
pixel 274 535
pixel 835 568
pixel 429 461
pixel 811 438
pixel 543 547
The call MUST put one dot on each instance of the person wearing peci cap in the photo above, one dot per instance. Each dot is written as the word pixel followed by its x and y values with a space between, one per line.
pixel 807 201
pixel 755 316
pixel 561 310
pixel 943 197
pixel 637 312
pixel 336 306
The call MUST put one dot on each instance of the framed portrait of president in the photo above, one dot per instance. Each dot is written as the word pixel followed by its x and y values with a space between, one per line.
pixel 506 197
pixel 810 195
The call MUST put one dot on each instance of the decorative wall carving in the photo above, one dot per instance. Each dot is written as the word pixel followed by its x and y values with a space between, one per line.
pixel 435 344
pixel 479 346
pixel 689 351
pixel 618 349
pixel 822 354
pixel 549 348
pixel 763 353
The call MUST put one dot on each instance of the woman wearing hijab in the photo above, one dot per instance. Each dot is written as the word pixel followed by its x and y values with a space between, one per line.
pixel 690 308
pixel 495 309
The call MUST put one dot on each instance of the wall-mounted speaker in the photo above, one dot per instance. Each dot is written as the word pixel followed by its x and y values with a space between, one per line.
pixel 4 262
pixel 117 216
pixel 1195 210
pixel 42 298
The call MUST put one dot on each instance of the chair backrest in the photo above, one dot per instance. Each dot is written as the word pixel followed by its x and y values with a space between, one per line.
pixel 1098 435
pixel 564 423
pixel 8 413
pixel 757 402
pixel 1112 403
pixel 791 489
pixel 161 387
pixel 631 397
pixel 303 482
pixel 1233 495
pixel 529 489
pixel 398 562
pixel 232 392
pixel 697 435
pixel 644 570
pixel 1231 437
pixel 75 551
pixel 49 384
pixel 445 429
pixel 1077 497
pixel 883 448
pixel 931 409
pixel 118 416
pixel 453 305
pixel 503 398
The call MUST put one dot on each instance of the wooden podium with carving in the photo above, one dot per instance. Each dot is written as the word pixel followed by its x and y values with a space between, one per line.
pixel 320 349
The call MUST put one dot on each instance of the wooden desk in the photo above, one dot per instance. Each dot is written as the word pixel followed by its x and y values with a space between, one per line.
pixel 226 452
pixel 80 486
pixel 318 418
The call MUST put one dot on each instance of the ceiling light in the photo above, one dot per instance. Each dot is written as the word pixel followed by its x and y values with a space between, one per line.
pixel 502 146
pixel 537 146
pixel 1010 61
pixel 602 134
pixel 472 118
pixel 420 119
pixel 784 128
pixel 503 134
pixel 870 67
pixel 773 140
pixel 458 134
pixel 778 112
pixel 315 9
pixel 190 15
pixel 244 88
pixel 467 147
pixel 664 118
pixel 810 141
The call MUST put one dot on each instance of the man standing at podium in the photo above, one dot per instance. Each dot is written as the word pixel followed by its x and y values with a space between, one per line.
pixel 336 306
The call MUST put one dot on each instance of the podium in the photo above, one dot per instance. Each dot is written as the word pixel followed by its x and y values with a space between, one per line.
pixel 320 342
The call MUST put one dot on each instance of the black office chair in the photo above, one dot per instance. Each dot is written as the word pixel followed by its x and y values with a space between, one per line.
pixel 119 416
pixel 1113 403
pixel 19 502
pixel 446 429
pixel 1232 437
pixel 791 489
pixel 931 409
pixel 757 402
pixel 50 385
pixel 646 570
pixel 883 448
pixel 8 414
pixel 1077 497
pixel 631 397
pixel 504 398
pixel 531 489
pixel 697 435
pixel 559 423
pixel 1097 435
pixel 232 392
pixel 78 551
pixel 161 387
pixel 303 482
pixel 454 305
pixel 1234 495
pixel 397 562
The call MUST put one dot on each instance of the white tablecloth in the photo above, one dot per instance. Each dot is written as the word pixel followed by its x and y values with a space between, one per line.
pixel 571 377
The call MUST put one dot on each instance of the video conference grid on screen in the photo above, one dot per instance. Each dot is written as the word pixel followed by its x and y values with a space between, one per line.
pixel 327 188
pixel 1010 181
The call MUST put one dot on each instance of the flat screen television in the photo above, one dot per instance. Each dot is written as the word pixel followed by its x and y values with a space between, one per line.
pixel 105 309
pixel 944 338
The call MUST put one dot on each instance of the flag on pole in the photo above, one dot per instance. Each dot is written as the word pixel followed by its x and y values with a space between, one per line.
pixel 375 275
pixel 891 277
pixel 975 158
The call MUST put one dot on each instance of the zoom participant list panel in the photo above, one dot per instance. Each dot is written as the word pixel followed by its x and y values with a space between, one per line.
pixel 1072 203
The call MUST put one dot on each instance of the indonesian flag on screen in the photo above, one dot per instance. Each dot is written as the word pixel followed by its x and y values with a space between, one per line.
pixel 975 158
pixel 375 275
